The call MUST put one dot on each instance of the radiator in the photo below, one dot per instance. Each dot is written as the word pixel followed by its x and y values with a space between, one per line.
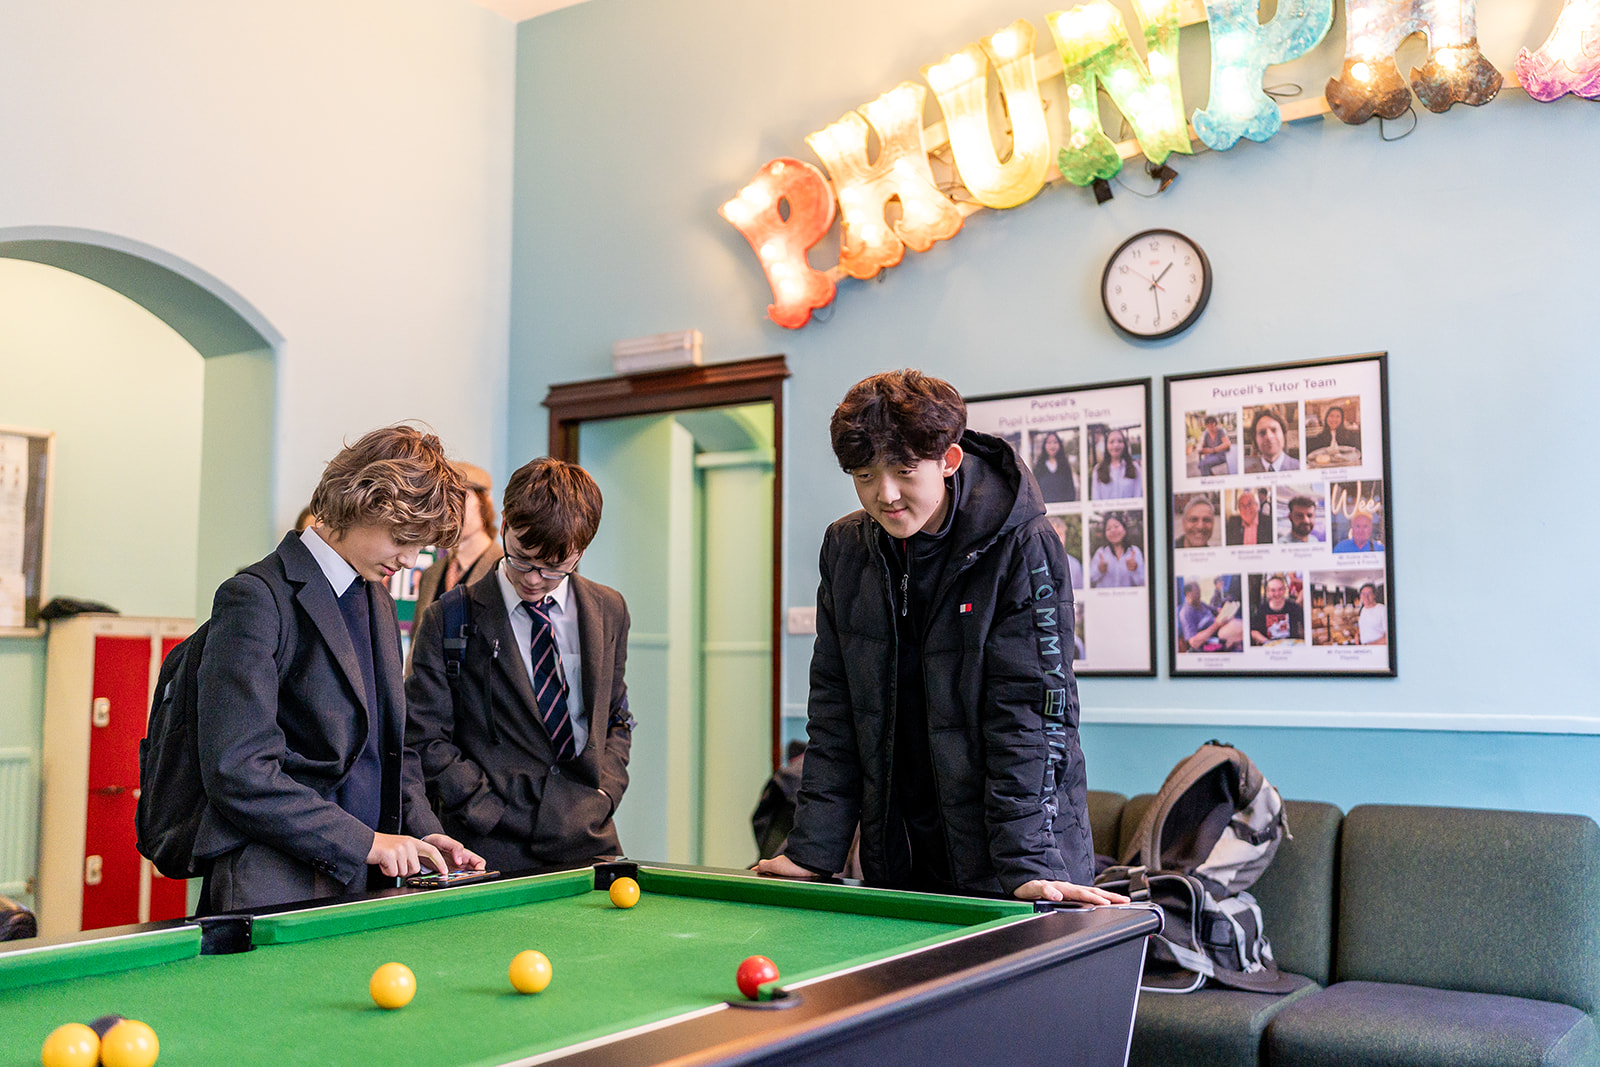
pixel 19 799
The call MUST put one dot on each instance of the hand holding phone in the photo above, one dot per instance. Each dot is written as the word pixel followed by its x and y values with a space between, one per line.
pixel 435 880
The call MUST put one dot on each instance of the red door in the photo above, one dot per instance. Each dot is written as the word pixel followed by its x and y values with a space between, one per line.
pixel 169 897
pixel 117 715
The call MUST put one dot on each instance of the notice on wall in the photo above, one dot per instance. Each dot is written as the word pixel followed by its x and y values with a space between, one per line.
pixel 1088 449
pixel 1280 511
pixel 24 488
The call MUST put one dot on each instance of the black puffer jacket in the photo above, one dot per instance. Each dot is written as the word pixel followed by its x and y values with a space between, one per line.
pixel 1002 702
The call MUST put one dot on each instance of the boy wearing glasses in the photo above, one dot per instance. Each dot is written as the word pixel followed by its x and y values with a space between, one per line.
pixel 525 749
pixel 300 712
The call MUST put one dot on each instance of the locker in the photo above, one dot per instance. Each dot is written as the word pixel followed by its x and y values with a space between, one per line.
pixel 99 677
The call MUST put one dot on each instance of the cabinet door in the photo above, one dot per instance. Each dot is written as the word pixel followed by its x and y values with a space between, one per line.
pixel 118 713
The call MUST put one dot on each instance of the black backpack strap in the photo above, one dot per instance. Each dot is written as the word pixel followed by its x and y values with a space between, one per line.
pixel 458 634
pixel 458 630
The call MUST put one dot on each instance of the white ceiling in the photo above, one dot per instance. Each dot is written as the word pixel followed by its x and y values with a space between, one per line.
pixel 517 10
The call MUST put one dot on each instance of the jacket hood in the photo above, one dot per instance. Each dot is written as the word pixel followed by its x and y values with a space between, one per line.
pixel 998 494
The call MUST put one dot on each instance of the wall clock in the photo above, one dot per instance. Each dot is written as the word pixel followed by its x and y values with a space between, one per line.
pixel 1155 285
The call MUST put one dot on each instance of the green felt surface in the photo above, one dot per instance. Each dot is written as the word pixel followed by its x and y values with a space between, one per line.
pixel 306 1002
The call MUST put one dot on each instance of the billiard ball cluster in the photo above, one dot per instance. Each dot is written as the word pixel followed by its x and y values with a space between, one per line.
pixel 110 1041
pixel 393 985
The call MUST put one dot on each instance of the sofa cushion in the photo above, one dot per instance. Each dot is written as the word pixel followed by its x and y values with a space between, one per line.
pixel 1459 898
pixel 1211 1027
pixel 1105 810
pixel 1298 889
pixel 1379 1024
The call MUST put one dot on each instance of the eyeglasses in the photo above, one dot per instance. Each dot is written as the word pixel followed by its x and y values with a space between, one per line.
pixel 525 566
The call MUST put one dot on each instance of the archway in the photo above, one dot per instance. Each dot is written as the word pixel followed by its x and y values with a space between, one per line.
pixel 239 347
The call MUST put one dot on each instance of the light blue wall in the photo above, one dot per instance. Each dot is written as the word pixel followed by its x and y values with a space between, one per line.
pixel 1464 250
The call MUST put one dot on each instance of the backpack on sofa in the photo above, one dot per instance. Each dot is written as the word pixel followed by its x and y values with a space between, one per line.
pixel 1205 839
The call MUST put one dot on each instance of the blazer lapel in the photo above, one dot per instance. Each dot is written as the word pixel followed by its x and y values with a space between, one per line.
pixel 489 615
pixel 592 641
pixel 315 595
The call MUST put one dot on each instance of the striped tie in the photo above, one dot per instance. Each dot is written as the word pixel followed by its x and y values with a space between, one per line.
pixel 549 684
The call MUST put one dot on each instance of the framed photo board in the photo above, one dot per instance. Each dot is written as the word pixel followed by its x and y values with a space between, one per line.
pixel 1281 554
pixel 25 469
pixel 1088 448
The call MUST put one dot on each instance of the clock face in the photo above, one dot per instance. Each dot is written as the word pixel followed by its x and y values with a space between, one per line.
pixel 1156 284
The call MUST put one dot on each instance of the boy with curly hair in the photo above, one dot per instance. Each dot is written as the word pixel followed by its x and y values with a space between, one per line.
pixel 301 713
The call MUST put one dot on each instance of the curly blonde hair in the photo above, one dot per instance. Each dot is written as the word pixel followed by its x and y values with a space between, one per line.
pixel 398 477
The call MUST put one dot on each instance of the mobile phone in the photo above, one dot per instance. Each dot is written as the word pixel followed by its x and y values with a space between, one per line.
pixel 435 880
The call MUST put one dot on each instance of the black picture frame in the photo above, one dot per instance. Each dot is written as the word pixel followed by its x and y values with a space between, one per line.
pixel 1311 542
pixel 1101 408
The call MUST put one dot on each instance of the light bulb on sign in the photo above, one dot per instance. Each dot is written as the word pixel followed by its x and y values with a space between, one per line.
pixel 781 244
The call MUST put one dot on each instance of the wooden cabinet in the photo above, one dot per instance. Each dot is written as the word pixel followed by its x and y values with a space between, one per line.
pixel 100 675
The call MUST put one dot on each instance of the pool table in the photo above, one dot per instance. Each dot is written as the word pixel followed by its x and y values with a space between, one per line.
pixel 867 976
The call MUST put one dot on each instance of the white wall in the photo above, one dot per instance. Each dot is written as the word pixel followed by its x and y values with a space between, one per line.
pixel 344 165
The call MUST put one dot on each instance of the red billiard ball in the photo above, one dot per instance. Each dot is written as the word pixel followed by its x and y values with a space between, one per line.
pixel 754 973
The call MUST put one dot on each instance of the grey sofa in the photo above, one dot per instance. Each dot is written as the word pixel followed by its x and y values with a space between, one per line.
pixel 1434 937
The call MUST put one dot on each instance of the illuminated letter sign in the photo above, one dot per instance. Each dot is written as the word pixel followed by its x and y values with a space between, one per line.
pixel 1370 83
pixel 781 243
pixel 1569 60
pixel 1241 50
pixel 869 241
pixel 961 85
pixel 1095 48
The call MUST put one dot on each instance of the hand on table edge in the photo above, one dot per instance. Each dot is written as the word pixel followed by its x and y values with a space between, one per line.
pixel 782 866
pixel 1054 891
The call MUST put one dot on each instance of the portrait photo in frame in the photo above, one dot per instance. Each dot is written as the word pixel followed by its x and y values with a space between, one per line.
pixel 1089 450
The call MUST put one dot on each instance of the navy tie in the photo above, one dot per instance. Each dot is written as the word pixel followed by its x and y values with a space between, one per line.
pixel 549 684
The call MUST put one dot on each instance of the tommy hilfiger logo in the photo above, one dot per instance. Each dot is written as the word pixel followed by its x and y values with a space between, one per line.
pixel 966 609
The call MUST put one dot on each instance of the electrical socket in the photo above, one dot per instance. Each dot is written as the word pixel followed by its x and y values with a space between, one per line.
pixel 802 620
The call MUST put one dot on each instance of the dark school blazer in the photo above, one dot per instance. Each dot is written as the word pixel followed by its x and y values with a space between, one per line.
pixel 273 753
pixel 485 753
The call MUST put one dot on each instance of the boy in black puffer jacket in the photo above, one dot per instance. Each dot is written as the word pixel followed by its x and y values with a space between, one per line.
pixel 943 713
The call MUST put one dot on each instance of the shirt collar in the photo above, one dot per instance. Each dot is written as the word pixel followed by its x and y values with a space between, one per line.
pixel 338 572
pixel 513 599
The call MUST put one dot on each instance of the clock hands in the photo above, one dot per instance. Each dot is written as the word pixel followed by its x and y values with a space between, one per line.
pixel 1155 288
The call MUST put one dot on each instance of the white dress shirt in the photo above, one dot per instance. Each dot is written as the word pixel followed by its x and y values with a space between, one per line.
pixel 339 573
pixel 564 622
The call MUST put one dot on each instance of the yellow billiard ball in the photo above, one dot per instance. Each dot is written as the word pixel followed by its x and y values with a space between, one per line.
pixel 130 1043
pixel 530 972
pixel 624 892
pixel 71 1045
pixel 392 986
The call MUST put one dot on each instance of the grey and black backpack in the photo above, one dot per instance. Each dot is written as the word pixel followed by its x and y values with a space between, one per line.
pixel 1203 842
